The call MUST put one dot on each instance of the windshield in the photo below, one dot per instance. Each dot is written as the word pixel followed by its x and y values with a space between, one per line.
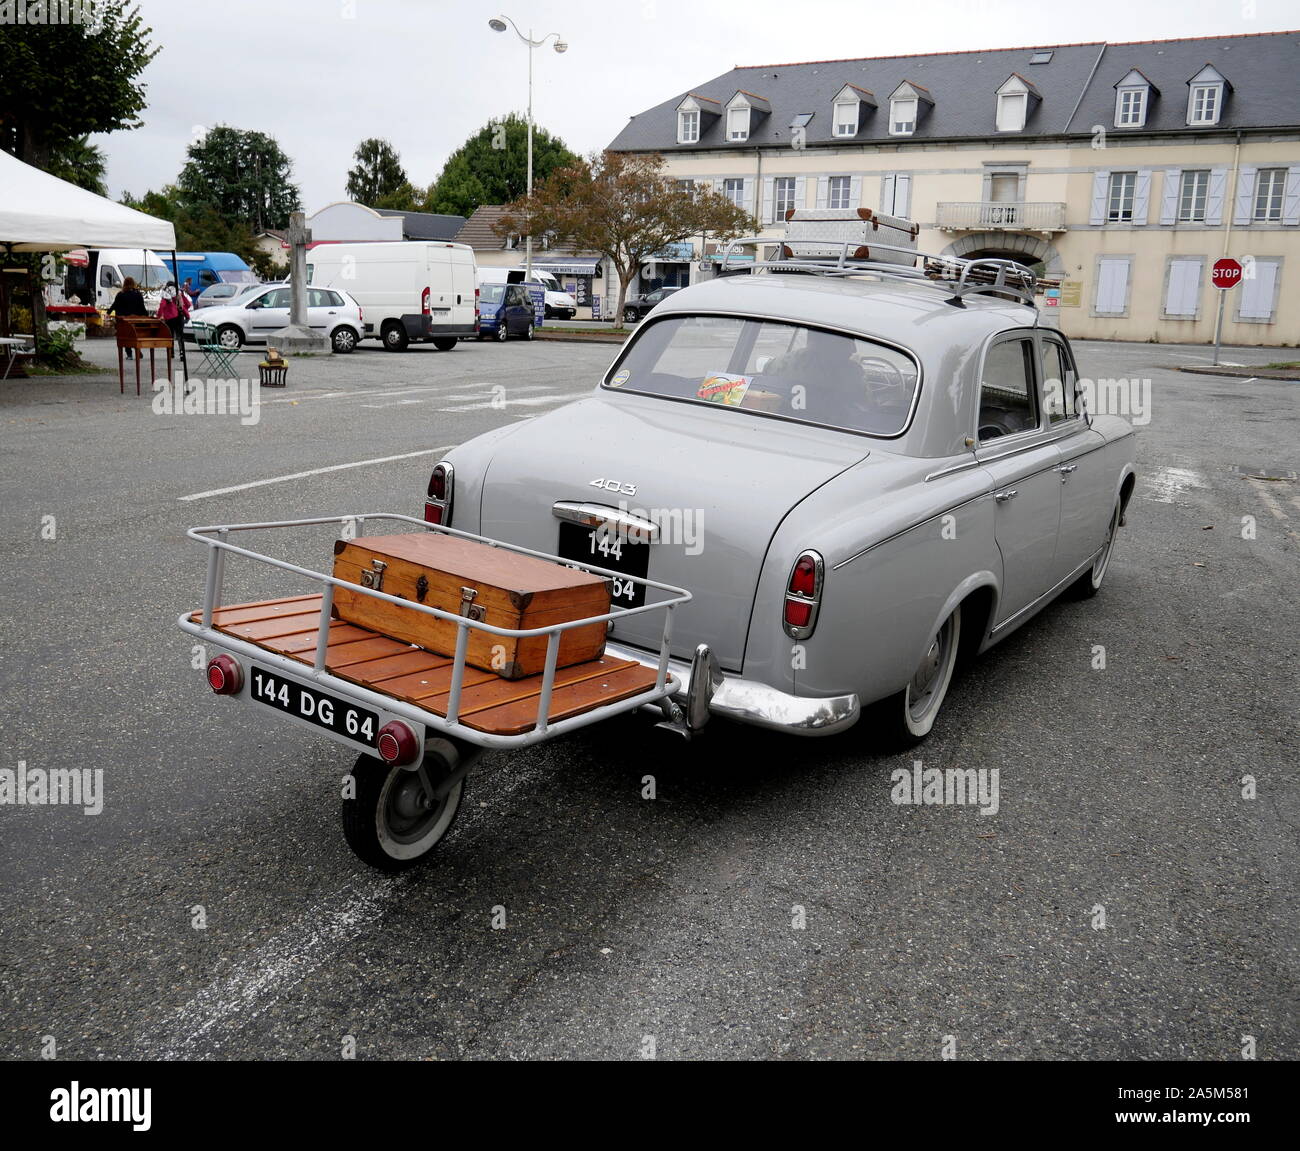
pixel 788 370
pixel 147 277
pixel 491 293
pixel 238 276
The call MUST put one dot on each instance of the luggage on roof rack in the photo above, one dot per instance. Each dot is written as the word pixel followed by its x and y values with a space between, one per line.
pixel 860 232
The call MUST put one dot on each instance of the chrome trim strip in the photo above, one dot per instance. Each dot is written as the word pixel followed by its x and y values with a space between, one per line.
pixel 953 469
pixel 1074 575
pixel 858 555
pixel 596 515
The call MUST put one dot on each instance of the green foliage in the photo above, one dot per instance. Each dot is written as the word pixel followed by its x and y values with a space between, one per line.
pixel 59 82
pixel 491 167
pixel 267 266
pixel 242 176
pixel 377 174
pixel 57 349
pixel 199 228
pixel 79 162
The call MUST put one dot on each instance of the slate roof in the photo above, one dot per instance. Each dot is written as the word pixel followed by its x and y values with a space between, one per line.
pixel 477 230
pixel 1263 68
pixel 426 225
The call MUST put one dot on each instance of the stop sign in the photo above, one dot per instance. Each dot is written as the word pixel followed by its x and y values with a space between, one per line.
pixel 1226 274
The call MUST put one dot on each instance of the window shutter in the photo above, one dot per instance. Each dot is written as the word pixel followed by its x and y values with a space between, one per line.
pixel 1291 197
pixel 822 184
pixel 1257 292
pixel 800 192
pixel 902 195
pixel 1244 209
pixel 747 194
pixel 855 192
pixel 718 185
pixel 769 199
pixel 1169 196
pixel 888 185
pixel 1100 192
pixel 1142 196
pixel 1112 286
pixel 1214 197
pixel 1183 292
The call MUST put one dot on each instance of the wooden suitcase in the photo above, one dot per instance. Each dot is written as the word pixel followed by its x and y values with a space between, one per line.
pixel 499 587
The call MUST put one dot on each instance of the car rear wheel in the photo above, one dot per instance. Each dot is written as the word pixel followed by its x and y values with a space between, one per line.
pixel 905 718
pixel 395 337
pixel 528 334
pixel 344 340
pixel 229 336
pixel 503 333
pixel 1089 584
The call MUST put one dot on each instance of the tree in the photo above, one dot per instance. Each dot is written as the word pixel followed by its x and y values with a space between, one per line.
pixel 199 228
pixel 79 162
pixel 622 205
pixel 242 176
pixel 491 167
pixel 61 81
pixel 378 172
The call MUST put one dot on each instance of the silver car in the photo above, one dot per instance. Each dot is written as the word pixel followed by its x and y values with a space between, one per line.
pixel 859 478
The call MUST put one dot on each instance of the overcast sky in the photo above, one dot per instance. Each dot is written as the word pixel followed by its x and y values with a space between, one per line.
pixel 321 75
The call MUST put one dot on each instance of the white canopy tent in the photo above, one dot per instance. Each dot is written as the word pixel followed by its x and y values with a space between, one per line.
pixel 41 213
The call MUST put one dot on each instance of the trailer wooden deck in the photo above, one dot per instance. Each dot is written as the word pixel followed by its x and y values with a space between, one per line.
pixel 488 703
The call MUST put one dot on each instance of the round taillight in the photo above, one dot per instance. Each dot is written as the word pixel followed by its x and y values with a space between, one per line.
pixel 397 743
pixel 803 580
pixel 225 676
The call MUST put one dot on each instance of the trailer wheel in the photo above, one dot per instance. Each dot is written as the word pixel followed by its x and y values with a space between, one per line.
pixel 390 823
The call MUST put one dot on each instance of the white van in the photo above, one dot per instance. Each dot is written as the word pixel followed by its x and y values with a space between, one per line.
pixel 408 289
pixel 107 269
pixel 559 304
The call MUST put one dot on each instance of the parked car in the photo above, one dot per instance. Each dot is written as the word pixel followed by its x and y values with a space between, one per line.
pixel 505 310
pixel 637 309
pixel 557 304
pixel 221 294
pixel 250 318
pixel 856 480
pixel 412 290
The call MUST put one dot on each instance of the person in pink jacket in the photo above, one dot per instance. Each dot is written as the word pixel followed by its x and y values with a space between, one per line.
pixel 174 308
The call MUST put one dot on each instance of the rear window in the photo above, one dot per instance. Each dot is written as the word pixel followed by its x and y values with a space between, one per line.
pixel 788 370
pixel 491 293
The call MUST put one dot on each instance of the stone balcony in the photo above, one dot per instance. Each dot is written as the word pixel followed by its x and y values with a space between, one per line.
pixel 992 216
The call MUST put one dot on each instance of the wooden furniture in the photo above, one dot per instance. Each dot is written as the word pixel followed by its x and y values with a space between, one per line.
pixel 488 703
pixel 17 351
pixel 498 587
pixel 140 333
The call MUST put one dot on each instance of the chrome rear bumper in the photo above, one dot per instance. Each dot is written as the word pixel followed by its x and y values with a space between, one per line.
pixel 707 690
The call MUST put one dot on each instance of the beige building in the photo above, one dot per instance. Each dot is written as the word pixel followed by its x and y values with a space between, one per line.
pixel 1123 170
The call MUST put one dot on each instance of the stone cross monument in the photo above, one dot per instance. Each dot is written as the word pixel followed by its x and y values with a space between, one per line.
pixel 298 338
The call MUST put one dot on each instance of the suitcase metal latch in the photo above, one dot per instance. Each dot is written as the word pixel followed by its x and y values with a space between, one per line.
pixel 421 588
pixel 375 577
pixel 467 606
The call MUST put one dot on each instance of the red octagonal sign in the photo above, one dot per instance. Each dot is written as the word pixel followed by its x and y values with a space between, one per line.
pixel 1227 273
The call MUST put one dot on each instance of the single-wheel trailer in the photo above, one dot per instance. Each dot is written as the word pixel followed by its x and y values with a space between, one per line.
pixel 418 719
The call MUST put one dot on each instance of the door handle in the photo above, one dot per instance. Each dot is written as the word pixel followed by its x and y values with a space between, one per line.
pixel 1066 469
pixel 1007 494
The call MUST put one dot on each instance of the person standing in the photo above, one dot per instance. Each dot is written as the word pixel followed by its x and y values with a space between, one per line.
pixel 174 309
pixel 129 301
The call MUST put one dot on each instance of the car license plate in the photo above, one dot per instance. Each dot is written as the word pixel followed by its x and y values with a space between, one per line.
pixel 314 706
pixel 613 550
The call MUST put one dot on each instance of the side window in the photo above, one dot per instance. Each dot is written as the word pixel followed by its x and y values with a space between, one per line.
pixel 1007 404
pixel 108 278
pixel 1058 383
pixel 207 276
pixel 317 298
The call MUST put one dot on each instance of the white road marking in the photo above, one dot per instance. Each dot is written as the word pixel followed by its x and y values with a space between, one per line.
pixel 527 401
pixel 313 472
pixel 1165 485
pixel 1274 505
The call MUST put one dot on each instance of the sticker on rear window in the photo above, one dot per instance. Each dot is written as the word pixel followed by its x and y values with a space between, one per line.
pixel 724 388
pixel 621 377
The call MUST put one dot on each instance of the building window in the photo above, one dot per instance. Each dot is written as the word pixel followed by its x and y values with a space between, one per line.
pixel 1203 107
pixel 734 190
pixel 1191 196
pixel 782 196
pixel 1041 58
pixel 688 127
pixel 737 123
pixel 1011 112
pixel 1131 111
pixel 1119 208
pixel 838 191
pixel 1270 183
pixel 902 117
pixel 846 119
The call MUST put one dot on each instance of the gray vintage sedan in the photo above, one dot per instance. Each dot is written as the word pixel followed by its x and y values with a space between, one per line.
pixel 859 478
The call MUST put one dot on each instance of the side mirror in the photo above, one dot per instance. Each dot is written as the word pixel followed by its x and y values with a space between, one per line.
pixel 1081 402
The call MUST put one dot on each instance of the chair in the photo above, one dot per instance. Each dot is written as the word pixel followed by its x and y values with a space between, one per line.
pixel 218 362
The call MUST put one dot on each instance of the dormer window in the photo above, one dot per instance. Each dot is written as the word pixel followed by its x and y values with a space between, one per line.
pixel 907 104
pixel 1132 98
pixel 688 127
pixel 848 114
pixel 743 109
pixel 1205 97
pixel 1014 97
pixel 694 114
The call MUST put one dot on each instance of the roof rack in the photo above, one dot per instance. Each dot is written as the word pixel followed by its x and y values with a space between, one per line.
pixel 984 275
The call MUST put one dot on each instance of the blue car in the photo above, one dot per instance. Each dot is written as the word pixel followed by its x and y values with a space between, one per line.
pixel 506 310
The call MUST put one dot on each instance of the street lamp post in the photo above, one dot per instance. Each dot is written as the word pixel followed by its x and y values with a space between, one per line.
pixel 498 24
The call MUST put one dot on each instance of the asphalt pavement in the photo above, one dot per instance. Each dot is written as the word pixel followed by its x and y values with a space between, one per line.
pixel 1126 901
